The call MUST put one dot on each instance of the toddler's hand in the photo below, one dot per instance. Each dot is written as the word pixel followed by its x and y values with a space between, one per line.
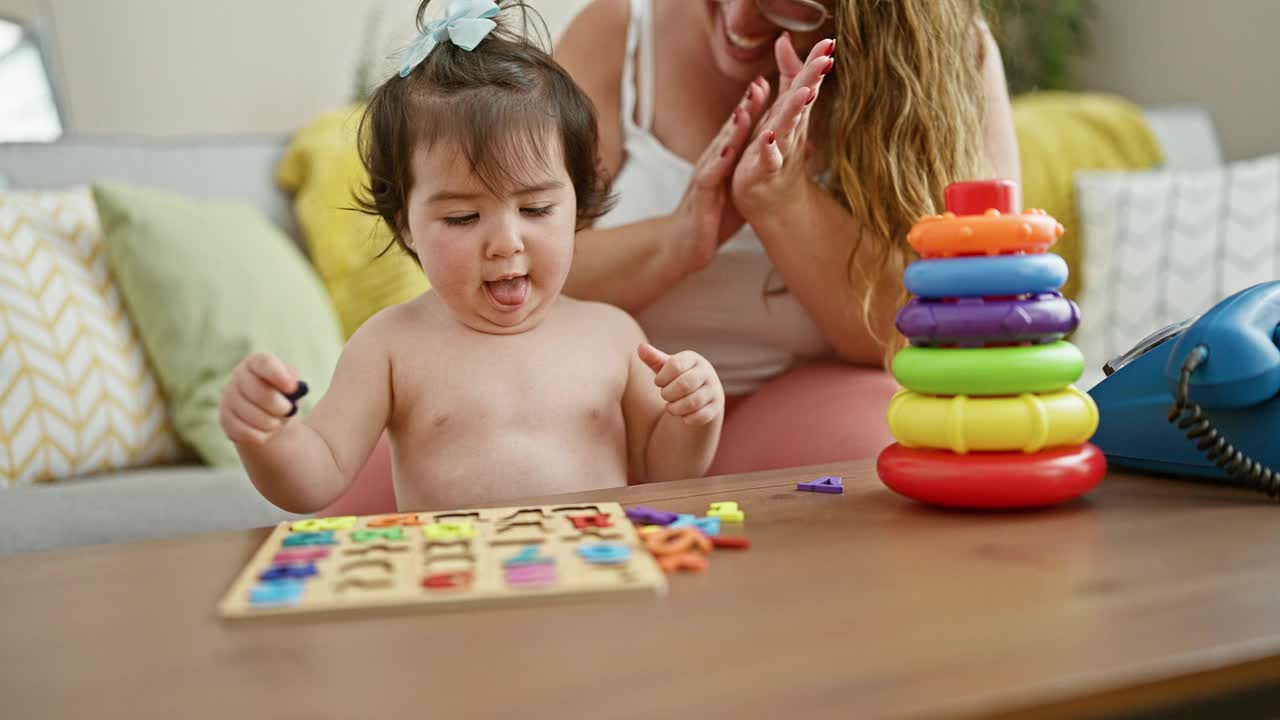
pixel 260 398
pixel 689 384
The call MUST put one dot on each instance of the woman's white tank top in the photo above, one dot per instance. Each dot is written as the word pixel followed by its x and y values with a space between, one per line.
pixel 722 311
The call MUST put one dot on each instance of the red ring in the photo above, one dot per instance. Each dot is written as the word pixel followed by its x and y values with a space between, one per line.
pixel 991 480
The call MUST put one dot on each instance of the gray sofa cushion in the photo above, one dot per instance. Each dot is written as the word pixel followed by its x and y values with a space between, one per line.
pixel 234 168
pixel 1187 136
pixel 145 504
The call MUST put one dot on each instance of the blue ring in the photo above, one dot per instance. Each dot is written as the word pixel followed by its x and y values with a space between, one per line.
pixel 987 276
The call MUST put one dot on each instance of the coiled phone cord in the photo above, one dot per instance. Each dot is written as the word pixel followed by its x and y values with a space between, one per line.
pixel 1189 418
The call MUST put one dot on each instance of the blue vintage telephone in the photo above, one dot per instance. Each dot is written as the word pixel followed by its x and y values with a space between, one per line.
pixel 1200 397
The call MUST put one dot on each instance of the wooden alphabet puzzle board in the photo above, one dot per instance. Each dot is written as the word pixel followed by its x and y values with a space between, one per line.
pixel 445 560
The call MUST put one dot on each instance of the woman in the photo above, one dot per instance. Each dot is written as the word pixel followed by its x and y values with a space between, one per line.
pixel 764 200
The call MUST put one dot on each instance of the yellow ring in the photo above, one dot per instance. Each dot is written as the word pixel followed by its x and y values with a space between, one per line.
pixel 1029 422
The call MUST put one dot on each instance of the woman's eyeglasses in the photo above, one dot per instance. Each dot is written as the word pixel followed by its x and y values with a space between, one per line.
pixel 796 15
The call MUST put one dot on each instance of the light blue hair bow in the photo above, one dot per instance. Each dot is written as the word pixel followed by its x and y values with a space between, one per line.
pixel 465 24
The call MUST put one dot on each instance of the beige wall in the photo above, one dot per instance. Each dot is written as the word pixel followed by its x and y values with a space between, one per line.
pixel 167 67
pixel 1219 54
pixel 22 9
pixel 192 66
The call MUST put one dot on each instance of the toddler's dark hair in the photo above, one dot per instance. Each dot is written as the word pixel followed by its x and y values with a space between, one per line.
pixel 498 102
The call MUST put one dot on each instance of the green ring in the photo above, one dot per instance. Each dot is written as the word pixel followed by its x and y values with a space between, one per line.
pixel 989 371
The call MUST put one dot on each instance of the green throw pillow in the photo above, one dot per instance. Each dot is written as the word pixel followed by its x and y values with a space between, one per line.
pixel 207 283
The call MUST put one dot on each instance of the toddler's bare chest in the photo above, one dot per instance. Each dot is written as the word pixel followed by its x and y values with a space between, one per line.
pixel 513 385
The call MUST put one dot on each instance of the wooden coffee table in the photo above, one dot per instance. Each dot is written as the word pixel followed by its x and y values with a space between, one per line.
pixel 858 605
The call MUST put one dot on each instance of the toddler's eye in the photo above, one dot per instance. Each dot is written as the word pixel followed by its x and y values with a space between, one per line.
pixel 461 219
pixel 537 211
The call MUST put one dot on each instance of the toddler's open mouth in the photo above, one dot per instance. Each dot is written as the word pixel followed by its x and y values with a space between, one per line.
pixel 508 293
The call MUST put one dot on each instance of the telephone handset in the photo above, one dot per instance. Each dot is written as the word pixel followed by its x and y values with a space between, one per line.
pixel 1214 379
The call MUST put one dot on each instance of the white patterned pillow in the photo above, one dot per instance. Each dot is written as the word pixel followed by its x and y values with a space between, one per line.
pixel 1167 245
pixel 77 395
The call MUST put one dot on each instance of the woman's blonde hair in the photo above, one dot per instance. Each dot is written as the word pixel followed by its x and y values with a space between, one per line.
pixel 906 120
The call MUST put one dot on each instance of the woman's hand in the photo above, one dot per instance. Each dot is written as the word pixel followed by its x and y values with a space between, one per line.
pixel 775 163
pixel 707 213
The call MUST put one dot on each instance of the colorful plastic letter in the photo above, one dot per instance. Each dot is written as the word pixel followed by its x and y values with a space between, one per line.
pixel 668 541
pixel 708 525
pixel 604 553
pixel 345 522
pixel 286 592
pixel 309 538
pixel 535 574
pixel 391 533
pixel 726 511
pixel 649 516
pixel 527 556
pixel 691 561
pixel 449 531
pixel 399 520
pixel 301 555
pixel 297 571
pixel 448 581
pixel 829 484
pixel 582 522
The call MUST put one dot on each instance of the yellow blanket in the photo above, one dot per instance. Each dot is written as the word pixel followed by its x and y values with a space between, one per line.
pixel 322 169
pixel 1061 132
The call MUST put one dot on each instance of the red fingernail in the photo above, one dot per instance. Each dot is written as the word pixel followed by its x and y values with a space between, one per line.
pixel 725 151
pixel 771 138
pixel 831 62
pixel 831 49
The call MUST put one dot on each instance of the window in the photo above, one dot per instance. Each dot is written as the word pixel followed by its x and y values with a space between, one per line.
pixel 28 107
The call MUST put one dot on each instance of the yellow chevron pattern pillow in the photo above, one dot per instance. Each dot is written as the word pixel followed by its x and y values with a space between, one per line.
pixel 77 394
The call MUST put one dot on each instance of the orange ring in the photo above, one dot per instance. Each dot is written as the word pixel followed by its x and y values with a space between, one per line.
pixel 991 233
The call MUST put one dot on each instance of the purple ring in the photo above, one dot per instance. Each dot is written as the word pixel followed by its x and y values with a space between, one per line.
pixel 974 322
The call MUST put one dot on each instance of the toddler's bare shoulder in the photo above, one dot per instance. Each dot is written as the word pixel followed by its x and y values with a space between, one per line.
pixel 395 326
pixel 606 318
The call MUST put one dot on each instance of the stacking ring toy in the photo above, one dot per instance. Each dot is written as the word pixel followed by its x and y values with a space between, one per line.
pixel 996 276
pixel 989 371
pixel 992 233
pixel 973 322
pixel 992 481
pixel 961 424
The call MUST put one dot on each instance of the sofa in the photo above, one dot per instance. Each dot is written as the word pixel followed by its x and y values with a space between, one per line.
pixel 160 501
pixel 191 498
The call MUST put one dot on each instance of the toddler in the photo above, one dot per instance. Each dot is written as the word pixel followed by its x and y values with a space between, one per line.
pixel 481 156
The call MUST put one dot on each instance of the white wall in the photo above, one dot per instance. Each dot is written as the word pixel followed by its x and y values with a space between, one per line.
pixel 169 67
pixel 1219 54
